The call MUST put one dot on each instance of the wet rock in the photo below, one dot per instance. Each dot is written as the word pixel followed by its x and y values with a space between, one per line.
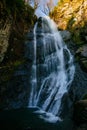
pixel 83 51
pixel 80 113
pixel 81 127
pixel 65 35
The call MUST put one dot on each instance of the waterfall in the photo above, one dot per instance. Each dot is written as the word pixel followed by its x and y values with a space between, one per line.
pixel 34 76
pixel 52 69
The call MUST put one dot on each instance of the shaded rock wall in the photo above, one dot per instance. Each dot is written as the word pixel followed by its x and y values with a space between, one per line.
pixel 4 39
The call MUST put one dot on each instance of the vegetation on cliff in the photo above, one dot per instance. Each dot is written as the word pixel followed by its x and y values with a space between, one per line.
pixel 72 15
pixel 21 18
pixel 16 10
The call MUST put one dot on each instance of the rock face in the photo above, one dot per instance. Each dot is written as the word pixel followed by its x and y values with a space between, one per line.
pixel 82 55
pixel 4 40
pixel 78 90
pixel 84 51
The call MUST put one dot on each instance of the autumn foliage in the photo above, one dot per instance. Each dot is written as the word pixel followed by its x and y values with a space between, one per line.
pixel 70 12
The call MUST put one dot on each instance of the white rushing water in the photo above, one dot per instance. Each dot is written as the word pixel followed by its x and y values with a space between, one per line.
pixel 43 6
pixel 34 69
pixel 57 77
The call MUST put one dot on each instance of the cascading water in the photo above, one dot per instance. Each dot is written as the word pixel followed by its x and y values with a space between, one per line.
pixel 34 70
pixel 52 69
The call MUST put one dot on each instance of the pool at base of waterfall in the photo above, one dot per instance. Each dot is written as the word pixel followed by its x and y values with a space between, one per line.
pixel 32 119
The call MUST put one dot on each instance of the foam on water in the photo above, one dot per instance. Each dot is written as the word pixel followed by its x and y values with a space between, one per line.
pixel 48 117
